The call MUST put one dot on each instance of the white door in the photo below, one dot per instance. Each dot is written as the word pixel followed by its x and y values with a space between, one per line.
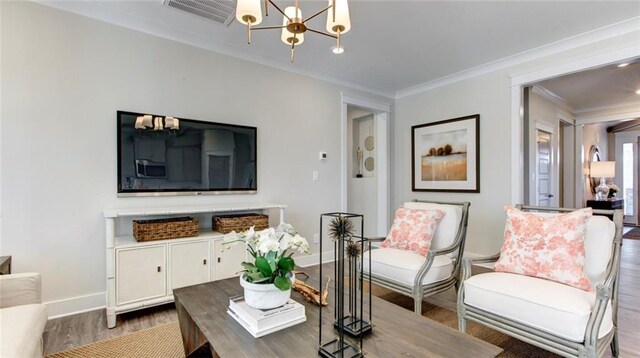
pixel 228 262
pixel 627 171
pixel 140 273
pixel 189 263
pixel 544 169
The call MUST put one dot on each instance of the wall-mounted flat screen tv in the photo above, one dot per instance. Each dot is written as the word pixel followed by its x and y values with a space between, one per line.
pixel 162 155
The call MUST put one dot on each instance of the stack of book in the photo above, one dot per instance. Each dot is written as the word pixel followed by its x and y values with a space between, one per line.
pixel 262 322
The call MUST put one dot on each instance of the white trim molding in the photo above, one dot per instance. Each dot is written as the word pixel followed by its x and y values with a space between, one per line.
pixel 623 111
pixel 75 305
pixel 581 63
pixel 382 112
pixel 311 260
pixel 554 98
pixel 563 45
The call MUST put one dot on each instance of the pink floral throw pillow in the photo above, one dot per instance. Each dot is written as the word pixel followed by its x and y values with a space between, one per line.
pixel 549 247
pixel 413 230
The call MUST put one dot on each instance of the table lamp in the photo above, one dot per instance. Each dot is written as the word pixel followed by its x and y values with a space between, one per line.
pixel 603 170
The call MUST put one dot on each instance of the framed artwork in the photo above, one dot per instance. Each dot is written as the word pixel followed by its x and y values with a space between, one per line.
pixel 445 155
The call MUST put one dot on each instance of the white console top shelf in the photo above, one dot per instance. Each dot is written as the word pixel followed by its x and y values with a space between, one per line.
pixel 176 210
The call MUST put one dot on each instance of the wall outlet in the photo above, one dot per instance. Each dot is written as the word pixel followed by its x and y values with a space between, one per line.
pixel 323 156
pixel 316 238
pixel 315 176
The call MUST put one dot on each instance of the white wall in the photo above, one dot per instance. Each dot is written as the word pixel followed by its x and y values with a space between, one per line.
pixel 489 95
pixel 63 79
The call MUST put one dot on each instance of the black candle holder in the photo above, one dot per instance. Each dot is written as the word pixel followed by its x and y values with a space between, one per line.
pixel 349 321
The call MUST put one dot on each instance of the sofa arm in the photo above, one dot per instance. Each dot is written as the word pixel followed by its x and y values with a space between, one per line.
pixel 20 289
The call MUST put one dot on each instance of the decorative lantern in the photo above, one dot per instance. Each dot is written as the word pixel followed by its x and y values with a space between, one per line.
pixel 351 321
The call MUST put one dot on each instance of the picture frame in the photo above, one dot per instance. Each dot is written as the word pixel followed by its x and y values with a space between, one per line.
pixel 445 155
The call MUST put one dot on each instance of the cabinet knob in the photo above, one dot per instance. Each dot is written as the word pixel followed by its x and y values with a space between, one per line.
pixel 218 259
pixel 204 262
pixel 159 268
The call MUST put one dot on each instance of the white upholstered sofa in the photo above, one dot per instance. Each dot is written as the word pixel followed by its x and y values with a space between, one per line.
pixel 559 318
pixel 22 316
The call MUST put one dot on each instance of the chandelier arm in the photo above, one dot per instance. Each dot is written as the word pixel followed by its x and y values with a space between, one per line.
pixel 267 27
pixel 320 32
pixel 279 10
pixel 317 13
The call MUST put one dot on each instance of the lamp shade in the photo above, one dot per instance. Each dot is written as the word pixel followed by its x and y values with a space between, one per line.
pixel 342 22
pixel 603 169
pixel 287 36
pixel 249 9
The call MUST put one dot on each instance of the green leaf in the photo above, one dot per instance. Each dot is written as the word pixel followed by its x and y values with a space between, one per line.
pixel 255 277
pixel 286 264
pixel 282 283
pixel 249 267
pixel 263 265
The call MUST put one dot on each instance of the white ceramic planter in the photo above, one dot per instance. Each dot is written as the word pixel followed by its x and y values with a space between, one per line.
pixel 264 296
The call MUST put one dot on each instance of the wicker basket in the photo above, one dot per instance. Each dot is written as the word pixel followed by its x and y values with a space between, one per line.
pixel 161 229
pixel 239 222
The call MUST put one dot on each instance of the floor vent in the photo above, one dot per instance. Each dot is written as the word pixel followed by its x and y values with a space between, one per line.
pixel 222 11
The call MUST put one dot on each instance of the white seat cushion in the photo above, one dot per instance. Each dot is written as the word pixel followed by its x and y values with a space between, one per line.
pixel 402 266
pixel 546 305
pixel 21 330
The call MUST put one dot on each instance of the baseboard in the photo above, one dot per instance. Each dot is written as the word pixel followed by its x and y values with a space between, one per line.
pixel 314 259
pixel 75 305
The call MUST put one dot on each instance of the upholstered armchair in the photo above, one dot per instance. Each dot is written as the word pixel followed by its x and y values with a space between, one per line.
pixel 22 315
pixel 558 317
pixel 419 276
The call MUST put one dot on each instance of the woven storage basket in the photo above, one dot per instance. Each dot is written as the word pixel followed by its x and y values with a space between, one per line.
pixel 239 222
pixel 161 229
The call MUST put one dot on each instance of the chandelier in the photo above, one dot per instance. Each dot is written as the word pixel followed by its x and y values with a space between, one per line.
pixel 249 12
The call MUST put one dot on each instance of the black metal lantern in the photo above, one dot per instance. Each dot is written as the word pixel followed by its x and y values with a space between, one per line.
pixel 351 321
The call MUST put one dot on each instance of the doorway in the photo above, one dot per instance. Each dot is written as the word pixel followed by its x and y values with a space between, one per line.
pixel 545 176
pixel 365 173
pixel 626 154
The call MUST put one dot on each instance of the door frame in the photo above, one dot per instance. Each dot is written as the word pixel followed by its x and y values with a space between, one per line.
pixel 519 81
pixel 553 146
pixel 382 117
pixel 629 137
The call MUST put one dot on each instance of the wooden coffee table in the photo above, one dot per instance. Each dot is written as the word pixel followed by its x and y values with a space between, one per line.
pixel 208 330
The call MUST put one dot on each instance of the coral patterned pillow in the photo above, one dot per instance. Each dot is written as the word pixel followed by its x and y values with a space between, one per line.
pixel 549 247
pixel 413 230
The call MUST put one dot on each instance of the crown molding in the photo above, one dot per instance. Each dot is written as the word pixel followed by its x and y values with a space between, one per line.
pixel 549 95
pixel 145 25
pixel 600 34
pixel 621 111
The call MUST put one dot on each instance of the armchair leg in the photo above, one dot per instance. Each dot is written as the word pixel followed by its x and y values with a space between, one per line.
pixel 615 347
pixel 462 324
pixel 417 305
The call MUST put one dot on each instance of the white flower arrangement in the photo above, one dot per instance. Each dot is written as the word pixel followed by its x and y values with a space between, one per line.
pixel 270 249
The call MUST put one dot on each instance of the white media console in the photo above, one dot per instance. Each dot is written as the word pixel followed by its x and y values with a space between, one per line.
pixel 144 274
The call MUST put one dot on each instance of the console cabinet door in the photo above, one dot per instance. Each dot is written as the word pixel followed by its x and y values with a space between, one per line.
pixel 141 273
pixel 189 263
pixel 228 263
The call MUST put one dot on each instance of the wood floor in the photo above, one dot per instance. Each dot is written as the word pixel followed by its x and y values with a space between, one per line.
pixel 73 331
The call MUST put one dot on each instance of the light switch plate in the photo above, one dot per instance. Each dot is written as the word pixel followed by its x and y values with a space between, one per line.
pixel 315 175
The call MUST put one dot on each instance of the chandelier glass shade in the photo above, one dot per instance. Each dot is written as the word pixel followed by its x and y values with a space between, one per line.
pixel 249 13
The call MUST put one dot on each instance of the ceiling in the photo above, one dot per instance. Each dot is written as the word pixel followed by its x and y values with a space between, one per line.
pixel 608 86
pixel 392 45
